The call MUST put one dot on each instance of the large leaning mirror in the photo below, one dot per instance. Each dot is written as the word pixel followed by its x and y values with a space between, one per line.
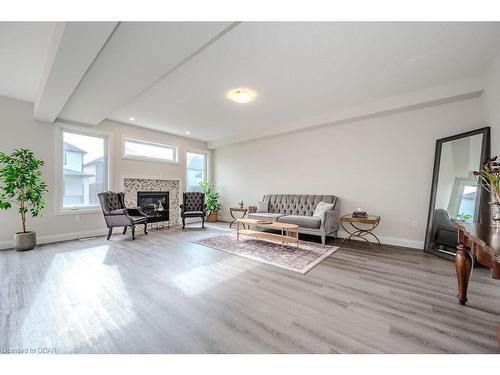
pixel 455 194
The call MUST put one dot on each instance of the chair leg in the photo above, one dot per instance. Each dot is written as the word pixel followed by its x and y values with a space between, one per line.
pixel 110 232
pixel 145 228
pixel 124 229
pixel 183 223
pixel 203 222
pixel 133 232
pixel 323 239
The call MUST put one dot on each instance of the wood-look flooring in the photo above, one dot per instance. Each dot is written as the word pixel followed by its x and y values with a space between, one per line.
pixel 164 294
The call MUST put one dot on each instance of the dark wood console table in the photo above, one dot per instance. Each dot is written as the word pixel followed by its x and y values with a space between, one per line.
pixel 481 241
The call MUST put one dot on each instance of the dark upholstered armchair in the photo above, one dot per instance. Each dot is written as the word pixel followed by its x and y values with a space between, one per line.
pixel 193 205
pixel 116 215
pixel 444 231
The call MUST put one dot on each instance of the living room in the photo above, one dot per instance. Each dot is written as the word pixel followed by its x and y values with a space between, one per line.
pixel 250 187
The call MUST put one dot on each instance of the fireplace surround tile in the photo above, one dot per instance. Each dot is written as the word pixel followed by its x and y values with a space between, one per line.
pixel 132 185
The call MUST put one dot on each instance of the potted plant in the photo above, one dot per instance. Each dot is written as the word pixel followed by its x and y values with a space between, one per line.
pixel 211 200
pixel 489 178
pixel 21 183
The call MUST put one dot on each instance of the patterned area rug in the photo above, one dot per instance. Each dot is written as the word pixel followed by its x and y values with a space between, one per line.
pixel 301 259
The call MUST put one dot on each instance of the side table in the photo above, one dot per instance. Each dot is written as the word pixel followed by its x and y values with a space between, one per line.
pixel 232 210
pixel 356 231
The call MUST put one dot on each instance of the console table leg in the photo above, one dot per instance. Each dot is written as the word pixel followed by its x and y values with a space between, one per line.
pixel 463 267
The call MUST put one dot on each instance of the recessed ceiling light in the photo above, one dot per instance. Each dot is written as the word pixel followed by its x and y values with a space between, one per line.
pixel 241 95
pixel 131 118
pixel 188 132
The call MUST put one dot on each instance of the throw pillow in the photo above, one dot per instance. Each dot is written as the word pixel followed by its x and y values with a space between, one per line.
pixel 321 208
pixel 262 206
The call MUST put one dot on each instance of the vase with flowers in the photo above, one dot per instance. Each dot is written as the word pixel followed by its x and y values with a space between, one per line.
pixel 489 178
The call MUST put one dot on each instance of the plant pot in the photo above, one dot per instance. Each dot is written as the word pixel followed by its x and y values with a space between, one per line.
pixel 212 217
pixel 24 241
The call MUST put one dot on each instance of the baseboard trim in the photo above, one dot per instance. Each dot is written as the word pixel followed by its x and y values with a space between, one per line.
pixel 393 241
pixel 5 245
pixel 385 240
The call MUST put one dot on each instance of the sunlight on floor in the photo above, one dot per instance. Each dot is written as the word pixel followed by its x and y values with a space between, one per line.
pixel 207 276
pixel 82 294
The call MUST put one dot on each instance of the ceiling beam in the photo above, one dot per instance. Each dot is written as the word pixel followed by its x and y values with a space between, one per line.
pixel 75 46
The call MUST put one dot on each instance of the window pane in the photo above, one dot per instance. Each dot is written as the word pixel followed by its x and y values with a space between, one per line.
pixel 148 150
pixel 84 169
pixel 195 171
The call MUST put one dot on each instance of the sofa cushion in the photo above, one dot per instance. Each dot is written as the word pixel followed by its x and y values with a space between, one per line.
pixel 264 216
pixel 320 209
pixel 262 206
pixel 311 222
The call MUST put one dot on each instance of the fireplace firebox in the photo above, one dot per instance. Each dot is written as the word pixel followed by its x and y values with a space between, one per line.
pixel 155 204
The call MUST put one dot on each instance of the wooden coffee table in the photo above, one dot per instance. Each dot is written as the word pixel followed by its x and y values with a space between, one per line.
pixel 289 232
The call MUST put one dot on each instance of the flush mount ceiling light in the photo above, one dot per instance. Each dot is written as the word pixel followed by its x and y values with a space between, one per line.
pixel 131 118
pixel 241 95
pixel 188 132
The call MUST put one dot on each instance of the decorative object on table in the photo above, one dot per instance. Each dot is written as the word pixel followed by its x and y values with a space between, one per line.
pixel 489 178
pixel 371 221
pixel 211 201
pixel 21 183
pixel 482 243
pixel 301 259
pixel 159 207
pixel 300 209
pixel 241 204
pixel 456 189
pixel 359 213
pixel 117 215
pixel 193 205
pixel 232 210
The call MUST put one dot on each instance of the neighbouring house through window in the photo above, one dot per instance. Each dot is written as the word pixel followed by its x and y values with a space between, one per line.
pixel 83 170
pixel 196 164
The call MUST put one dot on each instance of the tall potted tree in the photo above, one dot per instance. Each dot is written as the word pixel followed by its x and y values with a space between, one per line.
pixel 211 200
pixel 21 184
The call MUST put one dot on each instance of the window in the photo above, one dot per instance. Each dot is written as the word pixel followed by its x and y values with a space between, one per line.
pixel 144 150
pixel 196 165
pixel 83 169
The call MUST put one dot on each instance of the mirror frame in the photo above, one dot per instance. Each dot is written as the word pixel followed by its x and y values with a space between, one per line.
pixel 483 194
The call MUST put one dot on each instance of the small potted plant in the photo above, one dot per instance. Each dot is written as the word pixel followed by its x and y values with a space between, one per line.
pixel 489 178
pixel 211 200
pixel 21 183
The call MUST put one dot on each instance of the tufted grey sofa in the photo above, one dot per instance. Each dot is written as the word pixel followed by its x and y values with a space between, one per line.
pixel 299 209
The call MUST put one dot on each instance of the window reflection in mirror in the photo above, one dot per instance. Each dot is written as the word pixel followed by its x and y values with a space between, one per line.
pixel 457 186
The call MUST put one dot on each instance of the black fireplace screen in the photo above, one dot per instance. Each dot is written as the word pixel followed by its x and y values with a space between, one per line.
pixel 153 199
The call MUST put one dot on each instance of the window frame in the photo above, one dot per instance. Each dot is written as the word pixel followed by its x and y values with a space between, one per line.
pixel 60 128
pixel 126 138
pixel 205 153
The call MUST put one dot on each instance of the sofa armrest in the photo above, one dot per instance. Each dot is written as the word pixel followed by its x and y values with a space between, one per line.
pixel 330 223
pixel 252 209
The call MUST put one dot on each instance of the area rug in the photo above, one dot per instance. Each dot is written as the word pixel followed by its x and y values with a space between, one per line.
pixel 301 259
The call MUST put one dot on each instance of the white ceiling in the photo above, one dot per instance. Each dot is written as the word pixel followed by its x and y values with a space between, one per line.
pixel 173 76
pixel 24 47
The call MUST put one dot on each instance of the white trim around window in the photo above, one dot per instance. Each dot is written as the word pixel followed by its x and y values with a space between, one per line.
pixel 61 128
pixel 206 155
pixel 173 148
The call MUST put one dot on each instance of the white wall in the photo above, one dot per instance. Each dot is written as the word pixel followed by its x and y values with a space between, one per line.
pixel 18 129
pixel 382 164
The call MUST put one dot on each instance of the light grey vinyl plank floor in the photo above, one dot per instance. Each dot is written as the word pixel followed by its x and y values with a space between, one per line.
pixel 165 294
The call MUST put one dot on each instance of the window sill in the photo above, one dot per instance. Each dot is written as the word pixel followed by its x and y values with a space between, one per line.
pixel 79 211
